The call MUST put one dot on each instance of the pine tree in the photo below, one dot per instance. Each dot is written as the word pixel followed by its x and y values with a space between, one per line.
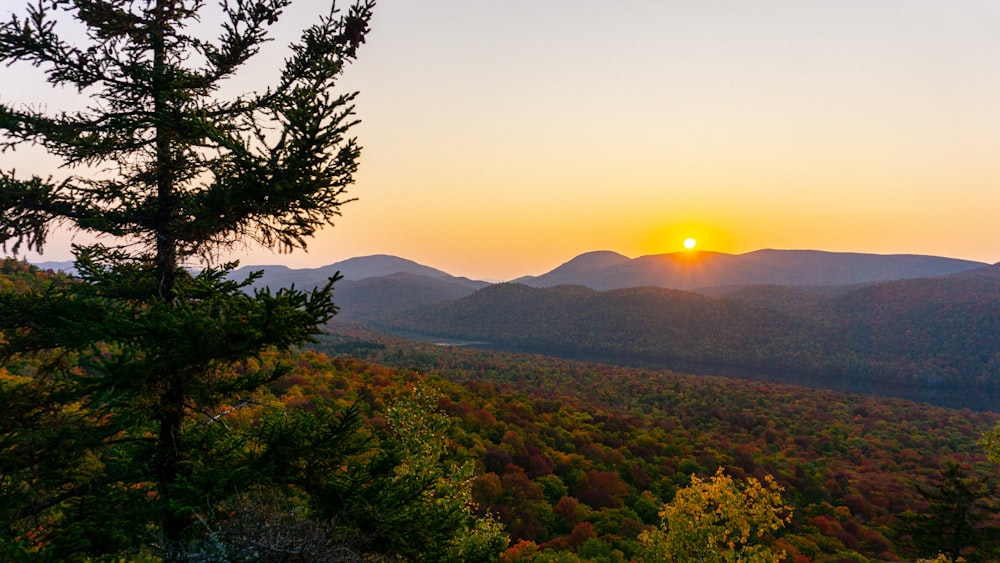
pixel 137 356
pixel 961 517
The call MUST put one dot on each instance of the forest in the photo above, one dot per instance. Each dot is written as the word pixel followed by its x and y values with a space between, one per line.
pixel 854 466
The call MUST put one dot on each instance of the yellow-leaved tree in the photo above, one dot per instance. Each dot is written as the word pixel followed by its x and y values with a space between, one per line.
pixel 719 519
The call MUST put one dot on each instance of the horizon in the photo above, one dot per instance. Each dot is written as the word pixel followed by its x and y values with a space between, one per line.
pixel 51 263
pixel 840 127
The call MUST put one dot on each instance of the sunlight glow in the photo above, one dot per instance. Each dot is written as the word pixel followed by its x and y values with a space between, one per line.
pixel 689 243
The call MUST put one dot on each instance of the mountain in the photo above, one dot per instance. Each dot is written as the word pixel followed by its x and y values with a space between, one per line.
pixel 351 269
pixel 987 273
pixel 643 322
pixel 707 272
pixel 372 286
pixel 943 328
pixel 697 269
pixel 381 265
pixel 63 266
pixel 578 268
pixel 802 300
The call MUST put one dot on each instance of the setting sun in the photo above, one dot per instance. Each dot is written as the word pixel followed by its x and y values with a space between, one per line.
pixel 689 243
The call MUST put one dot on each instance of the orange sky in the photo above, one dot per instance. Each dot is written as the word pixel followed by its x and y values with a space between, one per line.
pixel 502 139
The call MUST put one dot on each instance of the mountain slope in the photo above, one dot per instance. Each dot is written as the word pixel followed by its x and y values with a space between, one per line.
pixel 372 286
pixel 938 329
pixel 639 323
pixel 580 267
pixel 373 297
pixel 933 339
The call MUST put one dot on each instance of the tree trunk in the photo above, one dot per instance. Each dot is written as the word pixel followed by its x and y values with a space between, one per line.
pixel 168 463
pixel 171 415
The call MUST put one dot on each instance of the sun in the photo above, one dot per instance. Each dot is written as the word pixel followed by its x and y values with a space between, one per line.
pixel 689 243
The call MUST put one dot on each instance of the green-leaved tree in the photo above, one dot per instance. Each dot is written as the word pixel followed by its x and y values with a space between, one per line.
pixel 119 440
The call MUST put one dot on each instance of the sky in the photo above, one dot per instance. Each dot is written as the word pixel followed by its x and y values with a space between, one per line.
pixel 502 139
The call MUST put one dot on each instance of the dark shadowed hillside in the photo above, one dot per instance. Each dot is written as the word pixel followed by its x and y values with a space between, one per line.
pixel 939 329
pixel 377 296
pixel 636 324
pixel 798 300
pixel 372 286
pixel 986 272
pixel 936 339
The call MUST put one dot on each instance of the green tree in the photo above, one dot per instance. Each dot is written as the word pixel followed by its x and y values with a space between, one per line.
pixel 991 442
pixel 356 492
pixel 136 357
pixel 719 520
pixel 438 520
pixel 960 519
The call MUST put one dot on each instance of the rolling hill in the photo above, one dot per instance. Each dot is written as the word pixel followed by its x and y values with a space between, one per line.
pixel 372 286
pixel 373 297
pixel 934 339
pixel 797 278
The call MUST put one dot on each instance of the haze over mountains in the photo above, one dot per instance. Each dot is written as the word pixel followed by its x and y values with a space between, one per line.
pixel 697 269
pixel 377 285
pixel 680 270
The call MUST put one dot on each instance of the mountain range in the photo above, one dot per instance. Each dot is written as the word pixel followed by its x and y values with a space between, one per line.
pixel 919 327
pixel 376 285
pixel 379 285
pixel 680 270
pixel 696 270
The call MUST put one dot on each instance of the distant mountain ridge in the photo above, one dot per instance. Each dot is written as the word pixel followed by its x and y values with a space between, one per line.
pixel 383 284
pixel 372 285
pixel 687 270
pixel 693 270
pixel 358 268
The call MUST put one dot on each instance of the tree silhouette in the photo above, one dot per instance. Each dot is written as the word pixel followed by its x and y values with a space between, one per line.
pixel 167 174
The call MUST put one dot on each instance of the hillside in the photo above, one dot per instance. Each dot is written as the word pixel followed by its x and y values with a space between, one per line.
pixel 934 339
pixel 374 297
pixel 642 323
pixel 941 329
pixel 812 274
